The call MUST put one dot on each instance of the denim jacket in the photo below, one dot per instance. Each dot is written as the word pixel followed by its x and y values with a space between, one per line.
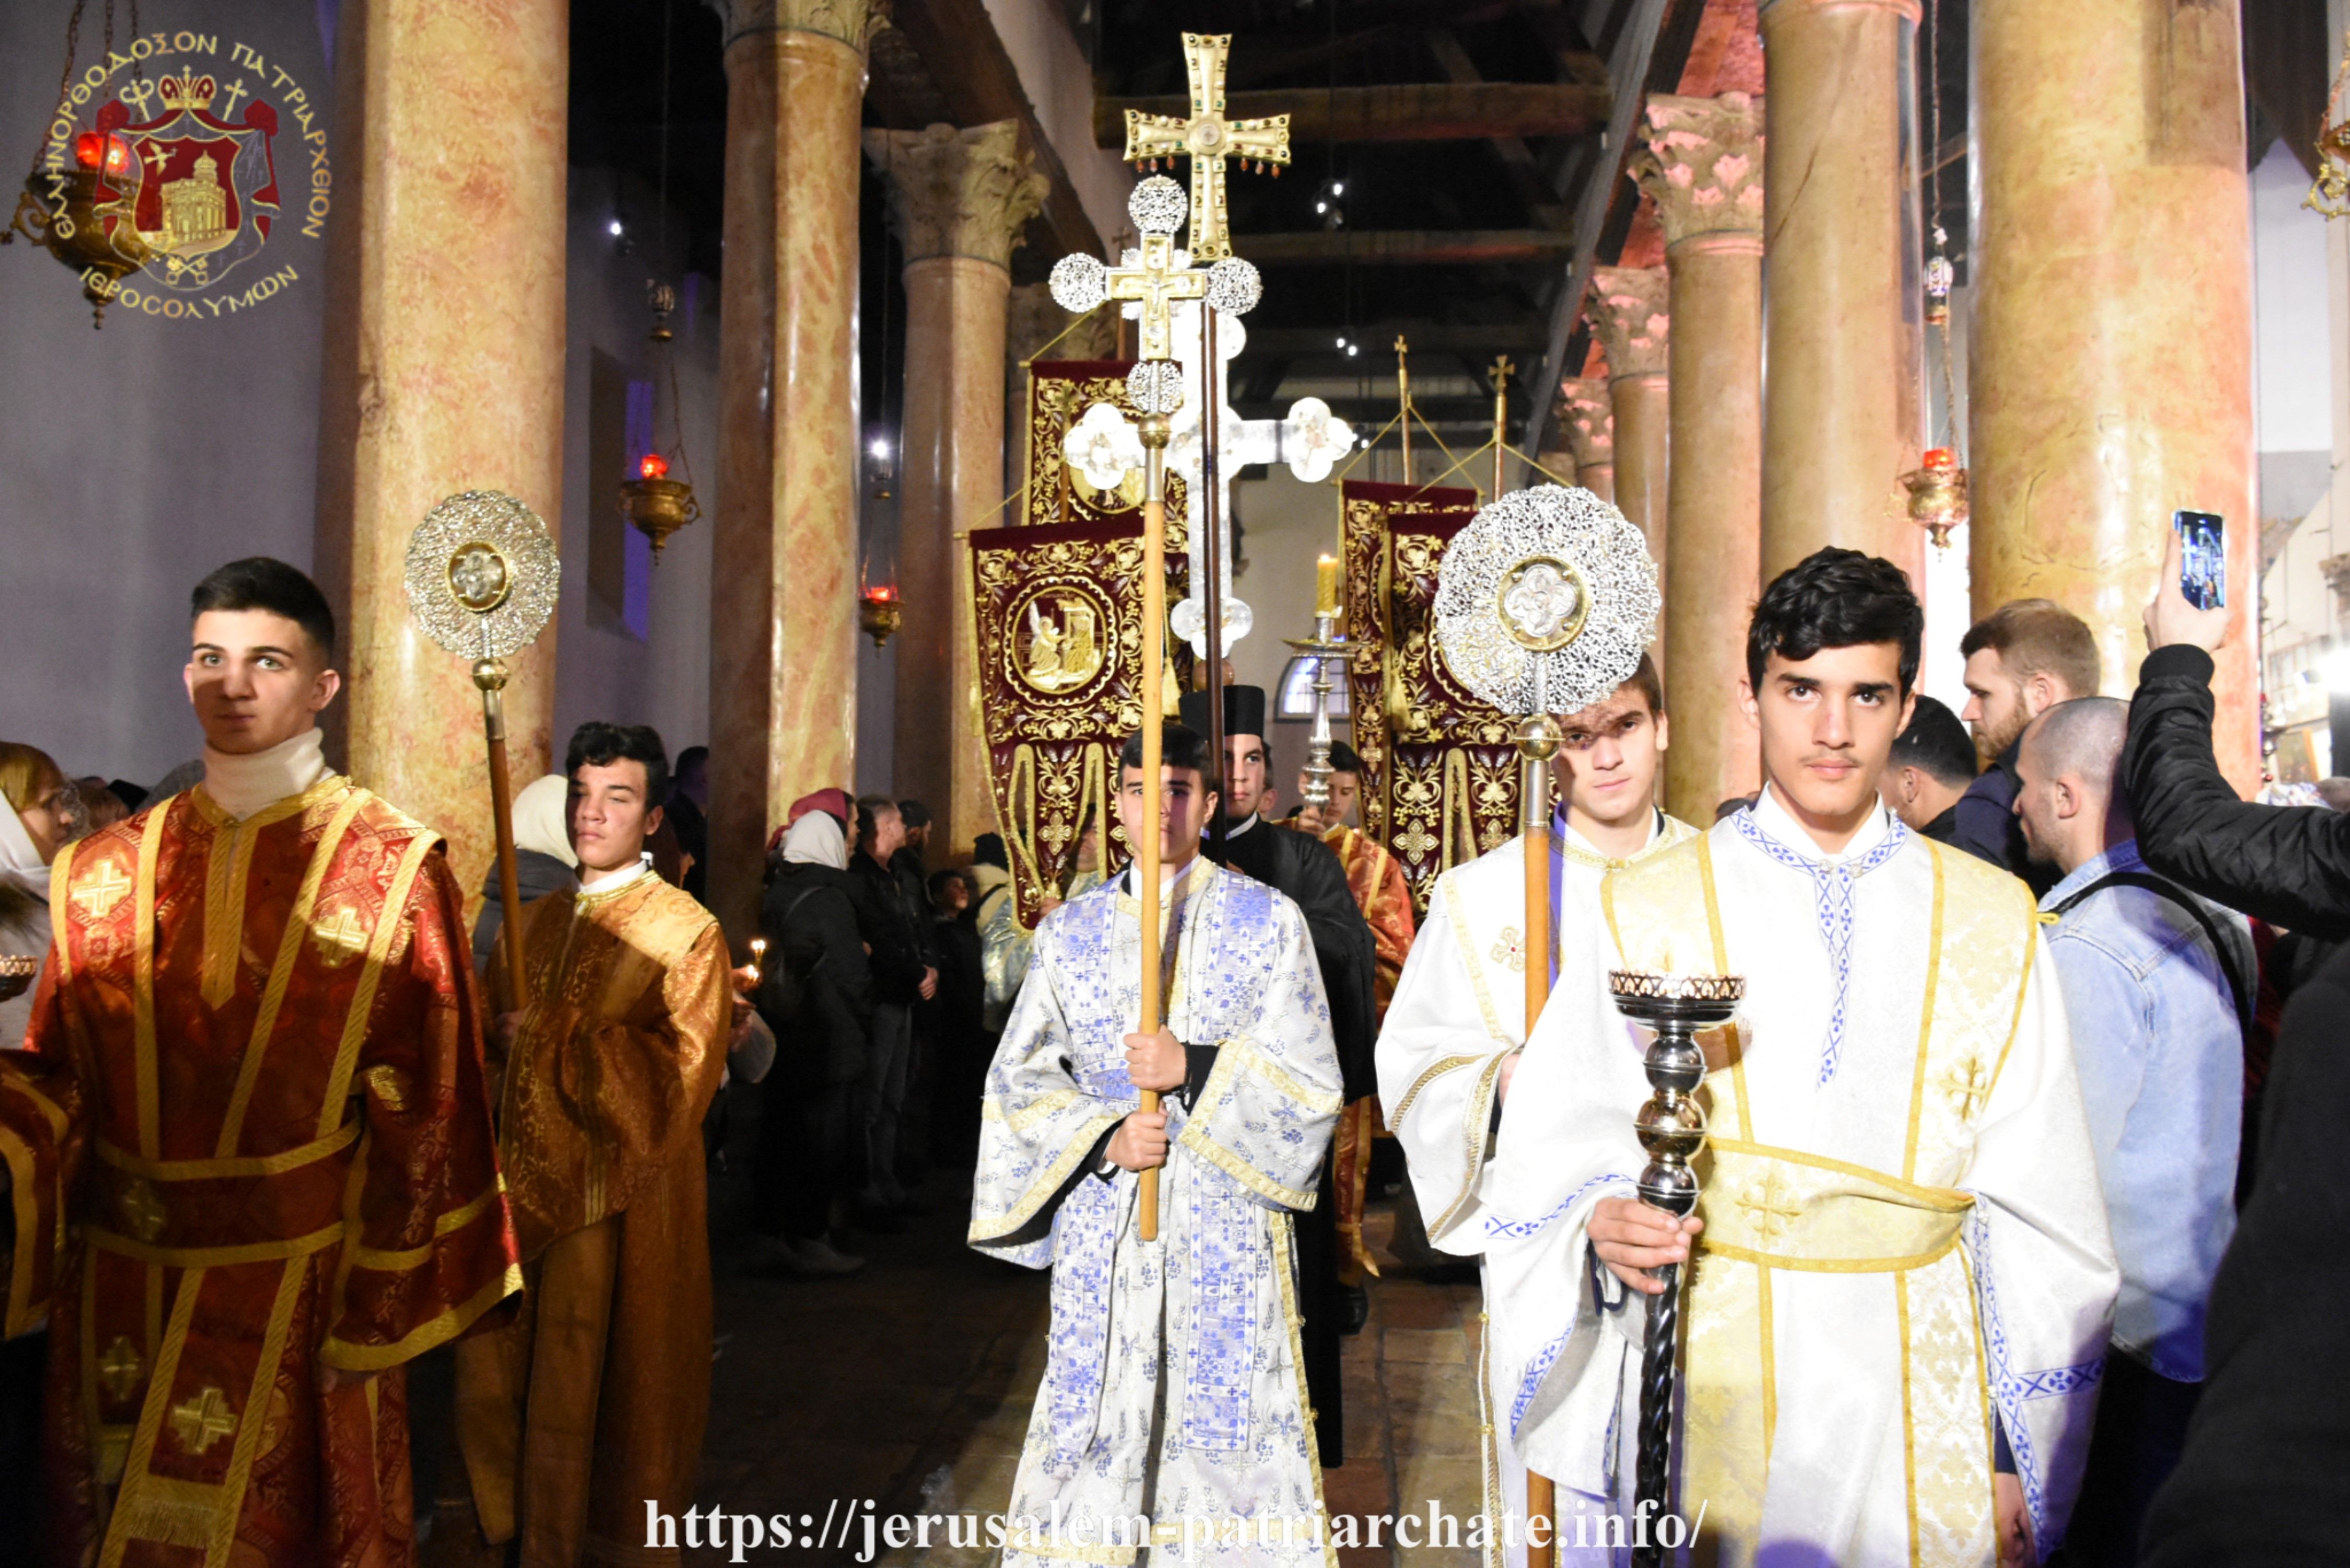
pixel 2160 1055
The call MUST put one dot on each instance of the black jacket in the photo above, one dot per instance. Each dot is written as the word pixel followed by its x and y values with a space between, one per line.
pixel 2265 1474
pixel 892 928
pixel 1311 874
pixel 2287 865
pixel 1984 824
pixel 809 917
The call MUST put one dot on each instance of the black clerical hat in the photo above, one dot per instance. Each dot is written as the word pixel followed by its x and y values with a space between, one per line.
pixel 1243 711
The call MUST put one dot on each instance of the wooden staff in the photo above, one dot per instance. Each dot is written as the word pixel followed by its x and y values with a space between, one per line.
pixel 1154 663
pixel 490 675
pixel 1539 738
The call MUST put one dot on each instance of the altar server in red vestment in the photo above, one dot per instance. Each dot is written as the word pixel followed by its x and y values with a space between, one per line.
pixel 248 1148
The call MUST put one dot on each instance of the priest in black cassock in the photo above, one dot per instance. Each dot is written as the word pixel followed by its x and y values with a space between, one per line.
pixel 1311 875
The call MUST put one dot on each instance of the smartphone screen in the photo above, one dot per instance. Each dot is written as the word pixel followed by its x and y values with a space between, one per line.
pixel 2203 558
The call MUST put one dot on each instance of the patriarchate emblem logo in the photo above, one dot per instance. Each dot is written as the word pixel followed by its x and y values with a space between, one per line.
pixel 193 192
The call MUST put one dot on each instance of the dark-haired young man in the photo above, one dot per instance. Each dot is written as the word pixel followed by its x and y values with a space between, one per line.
pixel 1903 1278
pixel 588 1409
pixel 1931 767
pixel 1450 1048
pixel 252 1092
pixel 1174 1388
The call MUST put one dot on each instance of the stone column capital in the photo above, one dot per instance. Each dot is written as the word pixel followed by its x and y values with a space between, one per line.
pixel 1628 309
pixel 1703 164
pixel 958 193
pixel 1032 321
pixel 1587 415
pixel 851 22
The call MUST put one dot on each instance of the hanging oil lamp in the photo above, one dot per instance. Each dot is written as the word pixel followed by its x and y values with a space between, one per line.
pixel 657 505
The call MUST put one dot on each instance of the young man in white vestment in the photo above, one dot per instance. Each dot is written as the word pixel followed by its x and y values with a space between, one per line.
pixel 1455 1029
pixel 1897 1281
pixel 1172 1390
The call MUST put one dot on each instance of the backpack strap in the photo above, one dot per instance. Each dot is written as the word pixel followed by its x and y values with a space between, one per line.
pixel 2173 894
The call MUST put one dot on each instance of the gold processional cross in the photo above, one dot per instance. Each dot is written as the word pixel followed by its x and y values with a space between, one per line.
pixel 1207 139
pixel 1156 283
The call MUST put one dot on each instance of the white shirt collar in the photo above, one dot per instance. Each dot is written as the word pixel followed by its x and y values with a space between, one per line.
pixel 1656 825
pixel 243 785
pixel 1776 820
pixel 1234 829
pixel 613 881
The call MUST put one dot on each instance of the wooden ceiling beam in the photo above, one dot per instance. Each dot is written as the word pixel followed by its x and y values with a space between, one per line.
pixel 1400 111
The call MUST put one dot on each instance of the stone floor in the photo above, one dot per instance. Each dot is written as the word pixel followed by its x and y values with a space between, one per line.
pixel 907 1386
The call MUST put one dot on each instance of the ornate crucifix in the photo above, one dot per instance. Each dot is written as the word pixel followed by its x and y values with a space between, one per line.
pixel 1156 283
pixel 1207 139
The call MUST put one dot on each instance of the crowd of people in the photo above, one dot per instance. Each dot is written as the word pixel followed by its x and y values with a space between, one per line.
pixel 2128 978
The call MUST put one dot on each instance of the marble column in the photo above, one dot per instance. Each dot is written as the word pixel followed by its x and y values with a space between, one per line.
pixel 2109 372
pixel 1628 310
pixel 1586 419
pixel 958 200
pixel 1702 166
pixel 783 598
pixel 442 372
pixel 1841 416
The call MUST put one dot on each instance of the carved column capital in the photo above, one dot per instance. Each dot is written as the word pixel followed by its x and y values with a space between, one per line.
pixel 852 22
pixel 958 193
pixel 1587 415
pixel 1627 308
pixel 1703 164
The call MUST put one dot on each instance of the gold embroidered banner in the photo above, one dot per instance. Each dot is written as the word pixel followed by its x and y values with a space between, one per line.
pixel 1440 770
pixel 1059 393
pixel 1057 643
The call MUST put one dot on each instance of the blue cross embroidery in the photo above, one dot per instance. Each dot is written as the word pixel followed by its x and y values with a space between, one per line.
pixel 1832 884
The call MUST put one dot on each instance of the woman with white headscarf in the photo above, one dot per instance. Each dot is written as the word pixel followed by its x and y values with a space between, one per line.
pixel 817 997
pixel 42 816
pixel 544 860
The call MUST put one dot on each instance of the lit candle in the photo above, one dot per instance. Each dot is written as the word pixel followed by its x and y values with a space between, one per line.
pixel 758 958
pixel 1325 585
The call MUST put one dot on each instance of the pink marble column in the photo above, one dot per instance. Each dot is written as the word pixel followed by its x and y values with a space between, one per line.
pixel 2110 377
pixel 783 656
pixel 1629 312
pixel 443 372
pixel 1703 168
pixel 958 200
pixel 1841 415
pixel 1587 418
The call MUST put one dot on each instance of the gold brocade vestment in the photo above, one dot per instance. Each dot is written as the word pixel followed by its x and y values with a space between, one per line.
pixel 1375 879
pixel 594 1400
pixel 248 1134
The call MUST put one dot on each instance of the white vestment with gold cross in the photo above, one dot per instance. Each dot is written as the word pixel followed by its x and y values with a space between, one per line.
pixel 1460 1007
pixel 1903 1241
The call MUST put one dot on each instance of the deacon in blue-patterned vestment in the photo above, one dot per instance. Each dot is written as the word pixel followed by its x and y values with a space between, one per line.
pixel 1172 1391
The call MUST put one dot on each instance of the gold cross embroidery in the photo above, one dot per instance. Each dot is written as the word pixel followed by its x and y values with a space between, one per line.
pixel 203 1421
pixel 142 1208
pixel 1510 949
pixel 120 1369
pixel 1768 1207
pixel 1968 1086
pixel 100 890
pixel 1156 283
pixel 1417 842
pixel 1207 139
pixel 339 940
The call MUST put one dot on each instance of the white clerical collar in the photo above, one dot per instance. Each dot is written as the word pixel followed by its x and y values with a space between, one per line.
pixel 1575 840
pixel 1775 819
pixel 601 882
pixel 1167 879
pixel 243 785
pixel 1234 829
